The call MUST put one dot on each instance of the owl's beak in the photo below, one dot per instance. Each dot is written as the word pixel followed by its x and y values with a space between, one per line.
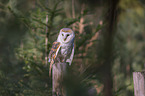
pixel 65 38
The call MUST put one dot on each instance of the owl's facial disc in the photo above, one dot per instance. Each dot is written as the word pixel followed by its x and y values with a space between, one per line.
pixel 65 36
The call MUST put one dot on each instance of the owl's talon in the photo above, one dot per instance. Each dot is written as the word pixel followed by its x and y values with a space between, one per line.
pixel 63 60
pixel 58 60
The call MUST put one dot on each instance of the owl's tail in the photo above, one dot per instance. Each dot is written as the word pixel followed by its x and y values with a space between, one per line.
pixel 50 67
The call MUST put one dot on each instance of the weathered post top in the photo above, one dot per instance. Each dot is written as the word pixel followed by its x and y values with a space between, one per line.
pixel 139 83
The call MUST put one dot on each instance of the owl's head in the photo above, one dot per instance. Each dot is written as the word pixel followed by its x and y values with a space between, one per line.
pixel 66 35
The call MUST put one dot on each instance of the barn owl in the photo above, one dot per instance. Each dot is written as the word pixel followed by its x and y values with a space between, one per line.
pixel 63 48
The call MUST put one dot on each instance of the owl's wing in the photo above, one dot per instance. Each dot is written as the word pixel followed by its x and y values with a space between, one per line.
pixel 71 56
pixel 53 53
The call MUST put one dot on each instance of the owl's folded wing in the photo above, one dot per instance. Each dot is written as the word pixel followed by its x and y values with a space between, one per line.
pixel 54 50
pixel 52 55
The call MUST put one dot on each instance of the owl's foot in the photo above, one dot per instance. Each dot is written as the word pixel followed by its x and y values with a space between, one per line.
pixel 63 60
pixel 58 60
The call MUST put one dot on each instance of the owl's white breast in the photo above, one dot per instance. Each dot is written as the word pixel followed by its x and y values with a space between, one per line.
pixel 66 48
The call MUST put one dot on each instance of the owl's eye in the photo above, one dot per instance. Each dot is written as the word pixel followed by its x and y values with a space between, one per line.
pixel 62 35
pixel 67 35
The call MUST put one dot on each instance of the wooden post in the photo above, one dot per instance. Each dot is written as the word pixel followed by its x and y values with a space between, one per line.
pixel 58 73
pixel 139 83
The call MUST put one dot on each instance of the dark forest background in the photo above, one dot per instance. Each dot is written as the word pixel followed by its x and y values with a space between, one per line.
pixel 109 45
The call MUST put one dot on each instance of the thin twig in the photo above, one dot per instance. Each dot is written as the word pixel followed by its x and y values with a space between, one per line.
pixel 73 14
pixel 46 42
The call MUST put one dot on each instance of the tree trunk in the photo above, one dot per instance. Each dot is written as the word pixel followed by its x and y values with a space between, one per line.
pixel 108 44
pixel 108 82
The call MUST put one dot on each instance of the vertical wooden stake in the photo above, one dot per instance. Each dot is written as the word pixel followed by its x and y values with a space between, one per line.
pixel 139 83
pixel 58 73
